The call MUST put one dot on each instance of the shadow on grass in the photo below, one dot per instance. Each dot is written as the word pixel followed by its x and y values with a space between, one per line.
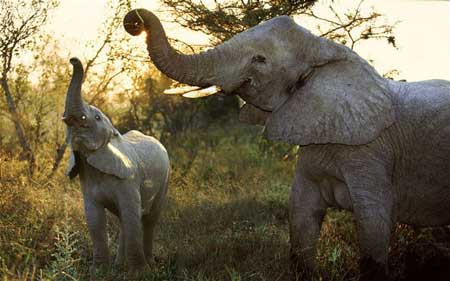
pixel 420 254
pixel 244 239
pixel 247 239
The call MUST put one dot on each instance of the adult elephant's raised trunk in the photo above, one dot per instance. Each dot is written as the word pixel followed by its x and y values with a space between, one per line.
pixel 197 69
pixel 74 102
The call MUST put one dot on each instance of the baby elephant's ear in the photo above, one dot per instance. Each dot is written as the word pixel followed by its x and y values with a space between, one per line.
pixel 115 158
pixel 253 115
pixel 72 169
pixel 73 166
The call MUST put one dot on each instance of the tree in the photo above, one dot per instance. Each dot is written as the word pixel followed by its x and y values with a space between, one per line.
pixel 20 23
pixel 108 60
pixel 34 103
pixel 353 26
pixel 223 19
pixel 226 18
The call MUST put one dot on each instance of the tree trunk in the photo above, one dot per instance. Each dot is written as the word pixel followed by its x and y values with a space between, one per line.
pixel 19 130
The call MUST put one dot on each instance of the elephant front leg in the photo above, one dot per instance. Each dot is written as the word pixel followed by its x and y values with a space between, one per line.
pixel 120 257
pixel 372 197
pixel 374 230
pixel 307 210
pixel 132 235
pixel 96 222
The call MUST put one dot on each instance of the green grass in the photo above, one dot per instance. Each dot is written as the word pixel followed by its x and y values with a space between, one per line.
pixel 226 219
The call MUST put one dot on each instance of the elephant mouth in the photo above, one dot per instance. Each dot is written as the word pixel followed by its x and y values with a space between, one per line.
pixel 85 143
pixel 248 91
pixel 244 89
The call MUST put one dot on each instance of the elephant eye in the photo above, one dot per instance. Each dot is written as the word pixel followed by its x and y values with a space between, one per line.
pixel 83 117
pixel 97 117
pixel 259 59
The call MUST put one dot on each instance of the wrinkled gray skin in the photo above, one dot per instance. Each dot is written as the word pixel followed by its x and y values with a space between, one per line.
pixel 125 174
pixel 376 147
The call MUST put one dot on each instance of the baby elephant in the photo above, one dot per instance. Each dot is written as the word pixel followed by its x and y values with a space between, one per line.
pixel 126 174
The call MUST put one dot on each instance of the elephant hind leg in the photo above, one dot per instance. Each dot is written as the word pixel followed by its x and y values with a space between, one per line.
pixel 149 223
pixel 150 219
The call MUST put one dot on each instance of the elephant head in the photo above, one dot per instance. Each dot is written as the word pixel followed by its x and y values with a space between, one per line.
pixel 91 133
pixel 303 88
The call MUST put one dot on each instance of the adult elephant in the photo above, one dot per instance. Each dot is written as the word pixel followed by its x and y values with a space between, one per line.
pixel 373 146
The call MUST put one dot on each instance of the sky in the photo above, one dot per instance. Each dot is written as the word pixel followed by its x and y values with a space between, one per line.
pixel 422 34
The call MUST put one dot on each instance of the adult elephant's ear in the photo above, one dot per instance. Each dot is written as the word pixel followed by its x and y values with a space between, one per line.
pixel 252 115
pixel 114 158
pixel 343 102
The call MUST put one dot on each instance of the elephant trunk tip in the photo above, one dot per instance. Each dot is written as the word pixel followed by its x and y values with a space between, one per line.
pixel 78 71
pixel 75 61
pixel 134 22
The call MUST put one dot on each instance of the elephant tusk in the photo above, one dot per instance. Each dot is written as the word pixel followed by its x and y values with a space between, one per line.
pixel 193 92
pixel 180 90
pixel 202 92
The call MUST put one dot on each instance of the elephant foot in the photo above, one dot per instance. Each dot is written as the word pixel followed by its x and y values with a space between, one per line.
pixel 137 272
pixel 299 269
pixel 99 271
pixel 120 263
pixel 150 260
pixel 371 270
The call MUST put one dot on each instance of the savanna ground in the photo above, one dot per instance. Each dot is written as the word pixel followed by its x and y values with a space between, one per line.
pixel 226 219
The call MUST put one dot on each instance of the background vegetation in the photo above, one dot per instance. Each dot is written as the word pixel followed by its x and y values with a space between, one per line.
pixel 227 214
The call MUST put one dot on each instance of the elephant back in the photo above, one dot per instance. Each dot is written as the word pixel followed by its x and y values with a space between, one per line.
pixel 153 164
pixel 153 160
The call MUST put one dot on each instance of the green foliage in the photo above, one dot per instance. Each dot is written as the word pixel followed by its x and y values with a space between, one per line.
pixel 167 116
pixel 64 261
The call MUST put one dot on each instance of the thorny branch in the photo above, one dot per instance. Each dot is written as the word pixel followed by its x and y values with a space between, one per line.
pixel 355 27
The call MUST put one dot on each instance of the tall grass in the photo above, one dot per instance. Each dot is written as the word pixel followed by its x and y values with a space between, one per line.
pixel 226 219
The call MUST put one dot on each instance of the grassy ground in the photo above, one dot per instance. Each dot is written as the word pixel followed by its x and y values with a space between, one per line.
pixel 226 219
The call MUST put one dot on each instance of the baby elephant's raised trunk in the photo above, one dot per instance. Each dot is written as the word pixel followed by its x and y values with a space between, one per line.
pixel 75 105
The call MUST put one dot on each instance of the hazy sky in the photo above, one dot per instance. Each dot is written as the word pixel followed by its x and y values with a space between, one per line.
pixel 422 34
